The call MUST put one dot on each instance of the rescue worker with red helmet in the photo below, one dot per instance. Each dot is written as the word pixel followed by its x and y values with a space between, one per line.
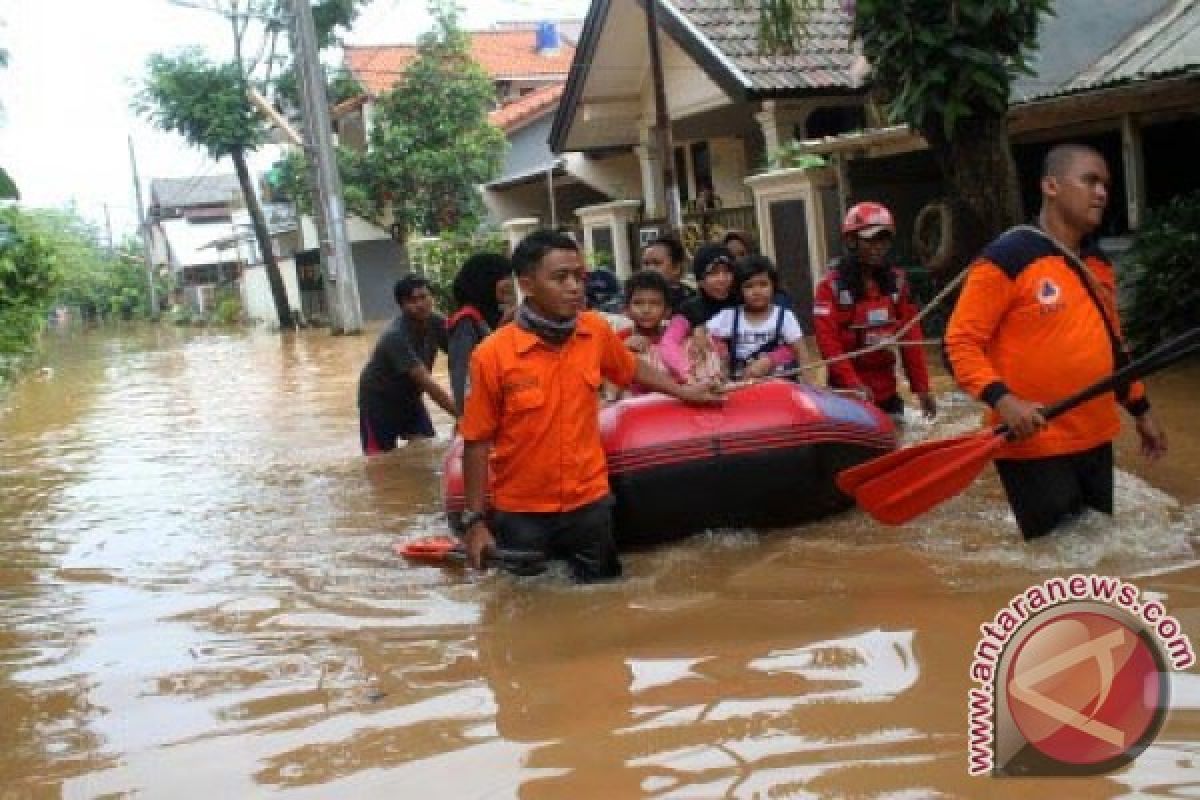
pixel 863 300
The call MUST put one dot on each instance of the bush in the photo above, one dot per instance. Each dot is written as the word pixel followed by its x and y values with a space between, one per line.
pixel 440 258
pixel 228 310
pixel 29 275
pixel 1160 276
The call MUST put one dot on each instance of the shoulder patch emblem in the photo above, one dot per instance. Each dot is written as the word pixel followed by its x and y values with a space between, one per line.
pixel 1048 293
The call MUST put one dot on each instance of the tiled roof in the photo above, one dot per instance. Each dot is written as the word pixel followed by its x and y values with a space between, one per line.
pixel 504 55
pixel 528 108
pixel 823 59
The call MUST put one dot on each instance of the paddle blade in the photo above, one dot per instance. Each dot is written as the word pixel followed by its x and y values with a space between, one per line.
pixel 448 550
pixel 926 481
pixel 849 480
pixel 440 549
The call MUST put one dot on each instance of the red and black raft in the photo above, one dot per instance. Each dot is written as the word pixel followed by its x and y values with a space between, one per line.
pixel 766 459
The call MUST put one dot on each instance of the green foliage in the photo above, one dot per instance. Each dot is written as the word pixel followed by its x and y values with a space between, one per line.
pixel 440 258
pixel 432 144
pixel 203 102
pixel 341 85
pixel 935 62
pixel 941 62
pixel 100 284
pixel 289 182
pixel 792 156
pixel 8 188
pixel 1159 273
pixel 30 271
pixel 228 310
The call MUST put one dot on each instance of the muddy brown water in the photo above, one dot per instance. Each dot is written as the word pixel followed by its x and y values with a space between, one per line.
pixel 198 599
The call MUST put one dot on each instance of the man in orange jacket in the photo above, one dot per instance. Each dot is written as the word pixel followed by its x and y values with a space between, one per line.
pixel 1036 322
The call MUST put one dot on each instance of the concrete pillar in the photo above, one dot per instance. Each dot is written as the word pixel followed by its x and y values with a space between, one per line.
pixel 804 204
pixel 652 178
pixel 768 120
pixel 619 218
pixel 517 229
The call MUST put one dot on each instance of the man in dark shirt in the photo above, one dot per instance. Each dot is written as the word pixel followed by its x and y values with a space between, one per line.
pixel 399 372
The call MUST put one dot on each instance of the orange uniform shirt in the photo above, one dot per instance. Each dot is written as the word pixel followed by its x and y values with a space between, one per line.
pixel 539 407
pixel 1025 323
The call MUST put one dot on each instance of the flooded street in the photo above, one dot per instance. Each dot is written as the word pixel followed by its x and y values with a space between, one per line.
pixel 198 598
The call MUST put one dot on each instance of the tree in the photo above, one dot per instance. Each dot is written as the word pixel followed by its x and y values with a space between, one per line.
pixel 207 104
pixel 431 145
pixel 945 69
pixel 29 275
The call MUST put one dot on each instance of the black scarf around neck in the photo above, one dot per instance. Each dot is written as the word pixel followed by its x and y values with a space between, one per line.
pixel 552 332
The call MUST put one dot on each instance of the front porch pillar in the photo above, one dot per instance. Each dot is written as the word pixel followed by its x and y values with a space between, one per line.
pixel 653 191
pixel 517 229
pixel 768 120
pixel 607 233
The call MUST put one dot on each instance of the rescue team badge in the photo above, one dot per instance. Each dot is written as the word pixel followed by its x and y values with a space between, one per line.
pixel 1049 295
pixel 1073 679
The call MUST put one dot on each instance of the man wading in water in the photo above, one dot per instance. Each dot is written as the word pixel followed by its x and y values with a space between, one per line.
pixel 533 405
pixel 1036 322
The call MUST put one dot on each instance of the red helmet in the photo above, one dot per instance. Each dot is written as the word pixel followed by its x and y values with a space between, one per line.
pixel 868 219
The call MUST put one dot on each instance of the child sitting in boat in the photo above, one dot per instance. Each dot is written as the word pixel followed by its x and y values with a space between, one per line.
pixel 757 327
pixel 648 306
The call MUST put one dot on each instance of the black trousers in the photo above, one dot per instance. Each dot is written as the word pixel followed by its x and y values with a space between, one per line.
pixel 1045 492
pixel 582 537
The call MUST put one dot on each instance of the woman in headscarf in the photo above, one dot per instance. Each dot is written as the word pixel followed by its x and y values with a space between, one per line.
pixel 484 280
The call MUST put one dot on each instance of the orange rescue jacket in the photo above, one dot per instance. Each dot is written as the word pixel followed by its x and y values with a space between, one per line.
pixel 1026 324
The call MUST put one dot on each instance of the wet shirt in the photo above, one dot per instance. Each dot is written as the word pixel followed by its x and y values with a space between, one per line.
pixel 398 350
pixel 538 406
pixel 1026 324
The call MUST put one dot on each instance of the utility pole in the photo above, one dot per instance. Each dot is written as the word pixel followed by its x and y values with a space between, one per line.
pixel 108 230
pixel 662 122
pixel 330 288
pixel 144 230
pixel 336 246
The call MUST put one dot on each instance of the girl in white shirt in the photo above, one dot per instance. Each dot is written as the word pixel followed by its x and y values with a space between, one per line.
pixel 757 326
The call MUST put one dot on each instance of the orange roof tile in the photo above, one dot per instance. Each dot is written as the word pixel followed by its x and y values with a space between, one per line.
pixel 528 108
pixel 504 55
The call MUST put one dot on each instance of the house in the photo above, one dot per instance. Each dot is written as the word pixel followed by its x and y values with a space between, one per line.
pixel 730 108
pixel 1120 74
pixel 529 65
pixel 185 215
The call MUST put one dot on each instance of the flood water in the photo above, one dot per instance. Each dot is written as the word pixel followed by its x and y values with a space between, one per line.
pixel 198 598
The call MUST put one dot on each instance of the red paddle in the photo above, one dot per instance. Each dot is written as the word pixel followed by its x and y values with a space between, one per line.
pixel 904 484
pixel 448 550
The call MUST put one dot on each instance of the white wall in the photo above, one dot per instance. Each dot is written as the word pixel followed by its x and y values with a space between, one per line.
pixel 257 301
pixel 619 177
pixel 729 171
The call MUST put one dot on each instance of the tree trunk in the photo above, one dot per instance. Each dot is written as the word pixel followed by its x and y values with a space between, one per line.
pixel 983 191
pixel 263 236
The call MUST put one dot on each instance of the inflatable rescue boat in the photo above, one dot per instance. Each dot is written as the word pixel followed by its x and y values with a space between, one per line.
pixel 766 459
